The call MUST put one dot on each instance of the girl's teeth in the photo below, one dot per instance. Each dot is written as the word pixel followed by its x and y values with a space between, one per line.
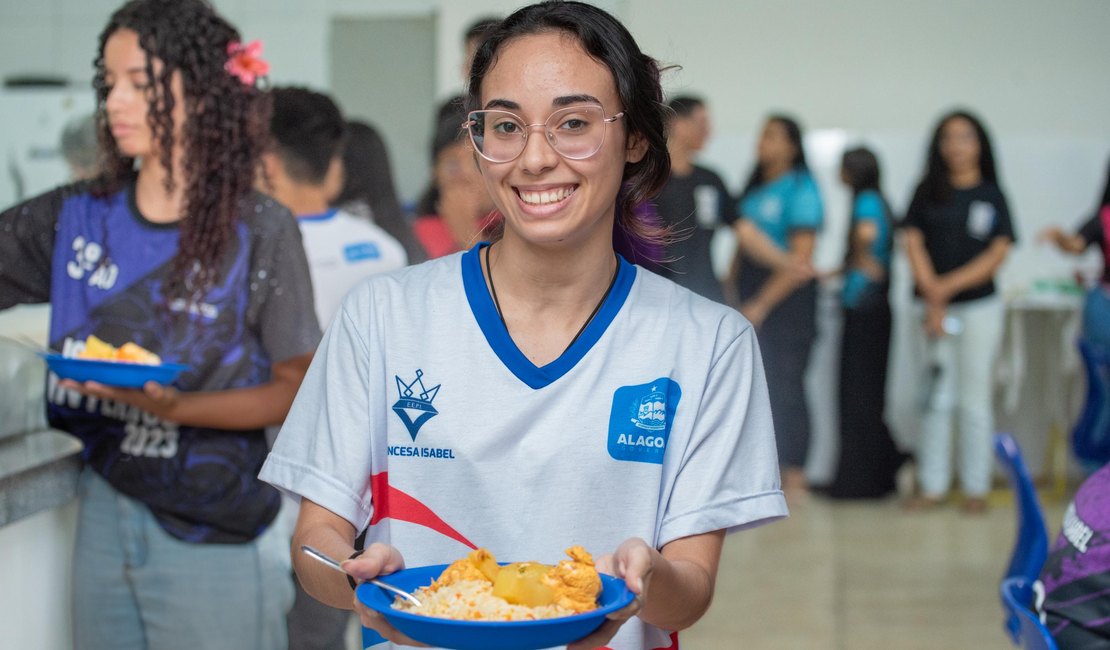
pixel 540 198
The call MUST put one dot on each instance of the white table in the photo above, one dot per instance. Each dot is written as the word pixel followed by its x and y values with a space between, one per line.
pixel 1039 371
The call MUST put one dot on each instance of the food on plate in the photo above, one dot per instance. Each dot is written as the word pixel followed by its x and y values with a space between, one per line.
pixel 477 588
pixel 129 352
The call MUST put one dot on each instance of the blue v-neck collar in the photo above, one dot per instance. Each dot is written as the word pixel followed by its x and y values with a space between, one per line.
pixel 485 312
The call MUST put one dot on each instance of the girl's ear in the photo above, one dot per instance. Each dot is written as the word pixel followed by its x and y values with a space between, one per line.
pixel 636 148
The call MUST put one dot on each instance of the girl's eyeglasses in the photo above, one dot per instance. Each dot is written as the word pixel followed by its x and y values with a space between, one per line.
pixel 574 132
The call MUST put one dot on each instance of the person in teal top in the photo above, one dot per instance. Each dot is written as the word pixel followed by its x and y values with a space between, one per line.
pixel 780 214
pixel 783 205
pixel 867 268
pixel 869 459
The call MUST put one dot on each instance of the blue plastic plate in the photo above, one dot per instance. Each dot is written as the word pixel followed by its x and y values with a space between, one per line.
pixel 488 635
pixel 112 373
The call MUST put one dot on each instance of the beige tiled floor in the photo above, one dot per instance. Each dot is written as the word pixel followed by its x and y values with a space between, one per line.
pixel 863 576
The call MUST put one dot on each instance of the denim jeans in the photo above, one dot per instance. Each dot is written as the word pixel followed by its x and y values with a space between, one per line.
pixel 963 363
pixel 136 587
pixel 1096 316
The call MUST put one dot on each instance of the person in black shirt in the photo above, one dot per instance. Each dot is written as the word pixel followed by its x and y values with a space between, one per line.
pixel 693 203
pixel 1096 230
pixel 958 232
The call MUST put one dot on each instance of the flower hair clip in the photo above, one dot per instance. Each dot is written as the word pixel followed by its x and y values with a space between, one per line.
pixel 245 61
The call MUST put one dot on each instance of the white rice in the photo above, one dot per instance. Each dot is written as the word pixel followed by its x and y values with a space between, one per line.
pixel 473 600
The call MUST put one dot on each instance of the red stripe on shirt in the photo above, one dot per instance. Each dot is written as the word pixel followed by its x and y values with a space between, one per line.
pixel 388 501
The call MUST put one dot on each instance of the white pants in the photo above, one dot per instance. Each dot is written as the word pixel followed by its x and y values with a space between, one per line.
pixel 962 365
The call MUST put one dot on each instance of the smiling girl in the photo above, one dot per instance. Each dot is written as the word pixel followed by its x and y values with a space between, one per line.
pixel 582 399
pixel 170 248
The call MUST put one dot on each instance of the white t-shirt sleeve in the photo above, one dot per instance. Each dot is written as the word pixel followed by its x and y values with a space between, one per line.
pixel 324 451
pixel 728 477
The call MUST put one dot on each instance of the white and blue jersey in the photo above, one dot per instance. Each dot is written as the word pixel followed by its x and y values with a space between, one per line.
pixel 343 250
pixel 788 203
pixel 102 266
pixel 421 419
pixel 868 207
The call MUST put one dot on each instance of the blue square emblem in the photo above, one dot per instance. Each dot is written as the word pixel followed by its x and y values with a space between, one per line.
pixel 640 421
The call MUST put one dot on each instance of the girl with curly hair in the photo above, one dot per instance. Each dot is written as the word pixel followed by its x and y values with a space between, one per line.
pixel 170 248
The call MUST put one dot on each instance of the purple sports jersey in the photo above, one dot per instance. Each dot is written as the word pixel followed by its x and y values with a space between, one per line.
pixel 1076 576
pixel 102 266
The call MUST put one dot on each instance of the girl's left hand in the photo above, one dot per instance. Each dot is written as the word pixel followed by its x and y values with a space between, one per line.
pixel 153 397
pixel 633 562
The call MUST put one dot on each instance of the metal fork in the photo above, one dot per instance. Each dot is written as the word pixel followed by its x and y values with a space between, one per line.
pixel 326 559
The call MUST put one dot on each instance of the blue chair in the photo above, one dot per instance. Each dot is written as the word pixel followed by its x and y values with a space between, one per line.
pixel 1091 436
pixel 1031 545
pixel 1031 634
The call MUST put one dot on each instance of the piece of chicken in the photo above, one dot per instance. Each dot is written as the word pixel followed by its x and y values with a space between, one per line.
pixel 575 582
pixel 129 352
pixel 475 566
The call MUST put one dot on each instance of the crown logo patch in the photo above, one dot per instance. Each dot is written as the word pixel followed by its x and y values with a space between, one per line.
pixel 414 405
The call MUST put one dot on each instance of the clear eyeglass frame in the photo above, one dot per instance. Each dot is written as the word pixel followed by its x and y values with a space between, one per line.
pixel 476 119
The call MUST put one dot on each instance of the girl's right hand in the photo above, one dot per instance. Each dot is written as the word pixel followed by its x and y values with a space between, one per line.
pixel 802 271
pixel 377 560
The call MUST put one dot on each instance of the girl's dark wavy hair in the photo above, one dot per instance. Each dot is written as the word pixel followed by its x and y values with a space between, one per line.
pixel 936 186
pixel 224 134
pixel 794 134
pixel 637 233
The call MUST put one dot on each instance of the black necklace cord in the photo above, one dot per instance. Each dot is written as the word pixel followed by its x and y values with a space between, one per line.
pixel 597 307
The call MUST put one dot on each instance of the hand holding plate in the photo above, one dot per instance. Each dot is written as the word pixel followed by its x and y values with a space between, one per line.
pixel 633 562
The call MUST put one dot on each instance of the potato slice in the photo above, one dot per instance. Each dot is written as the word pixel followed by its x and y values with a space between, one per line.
pixel 521 584
pixel 96 348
